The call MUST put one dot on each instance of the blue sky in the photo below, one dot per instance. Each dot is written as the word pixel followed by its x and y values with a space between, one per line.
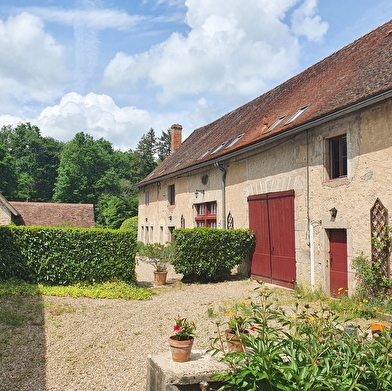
pixel 115 69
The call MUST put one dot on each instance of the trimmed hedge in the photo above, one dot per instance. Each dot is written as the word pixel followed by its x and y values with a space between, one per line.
pixel 62 256
pixel 209 254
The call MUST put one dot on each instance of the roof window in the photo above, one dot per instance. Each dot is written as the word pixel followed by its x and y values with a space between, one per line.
pixel 276 123
pixel 297 114
pixel 205 153
pixel 219 148
pixel 239 137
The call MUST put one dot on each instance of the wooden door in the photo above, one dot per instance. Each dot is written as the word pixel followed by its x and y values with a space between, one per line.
pixel 338 276
pixel 271 217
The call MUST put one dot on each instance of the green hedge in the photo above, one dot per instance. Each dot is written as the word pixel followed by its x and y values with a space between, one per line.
pixel 208 254
pixel 62 256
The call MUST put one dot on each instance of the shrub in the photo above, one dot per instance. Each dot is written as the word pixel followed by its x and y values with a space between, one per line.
pixel 62 256
pixel 307 351
pixel 372 280
pixel 208 254
pixel 158 254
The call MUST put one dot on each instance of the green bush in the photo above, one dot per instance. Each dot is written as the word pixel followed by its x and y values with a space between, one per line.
pixel 131 223
pixel 62 256
pixel 305 350
pixel 208 254
pixel 373 283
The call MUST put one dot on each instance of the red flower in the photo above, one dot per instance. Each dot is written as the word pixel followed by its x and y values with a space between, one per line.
pixel 177 328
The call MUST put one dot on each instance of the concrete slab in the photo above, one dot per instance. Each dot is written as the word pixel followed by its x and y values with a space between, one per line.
pixel 163 374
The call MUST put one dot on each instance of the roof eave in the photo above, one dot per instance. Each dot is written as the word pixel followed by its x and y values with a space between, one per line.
pixel 319 121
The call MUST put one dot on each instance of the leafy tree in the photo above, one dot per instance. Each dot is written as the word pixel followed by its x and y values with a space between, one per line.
pixel 35 160
pixel 111 211
pixel 8 177
pixel 84 171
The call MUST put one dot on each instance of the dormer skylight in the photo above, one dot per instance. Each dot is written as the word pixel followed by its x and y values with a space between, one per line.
pixel 276 123
pixel 205 153
pixel 297 114
pixel 219 148
pixel 239 137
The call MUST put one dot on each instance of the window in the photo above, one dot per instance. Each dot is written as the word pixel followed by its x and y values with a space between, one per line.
pixel 235 140
pixel 338 157
pixel 147 197
pixel 297 114
pixel 205 153
pixel 219 148
pixel 171 194
pixel 276 123
pixel 206 215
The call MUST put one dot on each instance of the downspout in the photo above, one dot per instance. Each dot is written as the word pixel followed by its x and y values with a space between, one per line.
pixel 223 170
pixel 310 225
pixel 312 271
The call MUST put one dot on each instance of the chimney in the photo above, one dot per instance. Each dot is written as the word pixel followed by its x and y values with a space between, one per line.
pixel 175 137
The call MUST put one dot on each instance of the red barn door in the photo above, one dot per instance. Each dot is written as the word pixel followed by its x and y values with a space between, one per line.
pixel 271 217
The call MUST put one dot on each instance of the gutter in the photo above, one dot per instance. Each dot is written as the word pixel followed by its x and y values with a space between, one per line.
pixel 278 136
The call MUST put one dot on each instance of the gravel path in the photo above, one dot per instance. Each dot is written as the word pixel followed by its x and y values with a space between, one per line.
pixel 100 344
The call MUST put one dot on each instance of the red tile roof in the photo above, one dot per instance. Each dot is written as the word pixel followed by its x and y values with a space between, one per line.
pixel 54 214
pixel 359 72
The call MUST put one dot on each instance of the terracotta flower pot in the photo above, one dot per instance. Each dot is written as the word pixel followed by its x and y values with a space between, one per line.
pixel 160 278
pixel 236 342
pixel 180 350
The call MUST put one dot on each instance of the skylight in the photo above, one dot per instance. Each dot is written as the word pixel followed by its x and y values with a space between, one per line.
pixel 205 153
pixel 276 123
pixel 219 148
pixel 297 114
pixel 235 140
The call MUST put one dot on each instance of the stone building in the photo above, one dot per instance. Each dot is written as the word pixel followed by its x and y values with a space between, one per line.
pixel 307 166
pixel 48 214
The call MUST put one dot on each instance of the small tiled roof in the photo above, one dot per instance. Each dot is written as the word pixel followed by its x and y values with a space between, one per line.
pixel 54 214
pixel 357 73
pixel 7 205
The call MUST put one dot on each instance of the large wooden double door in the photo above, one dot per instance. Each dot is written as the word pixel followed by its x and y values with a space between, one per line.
pixel 271 217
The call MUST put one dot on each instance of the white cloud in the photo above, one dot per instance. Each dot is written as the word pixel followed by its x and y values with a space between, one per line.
pixel 231 50
pixel 99 116
pixel 98 19
pixel 305 22
pixel 31 62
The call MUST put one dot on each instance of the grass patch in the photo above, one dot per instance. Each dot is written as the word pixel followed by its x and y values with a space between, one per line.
pixel 10 318
pixel 107 290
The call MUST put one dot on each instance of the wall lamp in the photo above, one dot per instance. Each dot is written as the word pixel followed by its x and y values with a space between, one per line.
pixel 198 191
pixel 333 212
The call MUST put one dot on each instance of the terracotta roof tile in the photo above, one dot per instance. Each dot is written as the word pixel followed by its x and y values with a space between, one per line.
pixel 359 71
pixel 55 214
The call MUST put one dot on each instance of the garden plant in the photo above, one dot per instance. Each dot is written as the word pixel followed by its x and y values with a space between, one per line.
pixel 304 350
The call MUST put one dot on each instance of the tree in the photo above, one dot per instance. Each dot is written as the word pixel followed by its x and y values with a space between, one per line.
pixel 145 156
pixel 85 170
pixel 111 211
pixel 35 160
pixel 164 145
pixel 8 177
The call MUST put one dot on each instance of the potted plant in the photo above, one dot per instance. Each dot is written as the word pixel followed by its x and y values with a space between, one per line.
pixel 236 333
pixel 159 256
pixel 182 341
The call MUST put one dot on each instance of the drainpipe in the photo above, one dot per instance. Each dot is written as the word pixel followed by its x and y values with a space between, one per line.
pixel 223 170
pixel 311 240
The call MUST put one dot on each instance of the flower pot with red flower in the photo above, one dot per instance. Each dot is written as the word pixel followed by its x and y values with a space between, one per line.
pixel 182 341
pixel 237 333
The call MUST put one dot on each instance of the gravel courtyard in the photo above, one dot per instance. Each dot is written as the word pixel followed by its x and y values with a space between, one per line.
pixel 101 344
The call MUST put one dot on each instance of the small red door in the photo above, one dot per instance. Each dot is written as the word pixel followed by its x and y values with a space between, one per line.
pixel 338 280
